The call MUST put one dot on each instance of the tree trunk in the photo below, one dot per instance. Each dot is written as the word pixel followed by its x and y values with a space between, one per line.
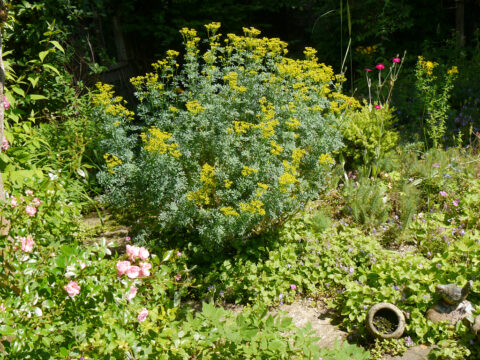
pixel 460 22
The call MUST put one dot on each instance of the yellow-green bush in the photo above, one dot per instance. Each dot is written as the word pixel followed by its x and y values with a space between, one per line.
pixel 368 134
pixel 227 145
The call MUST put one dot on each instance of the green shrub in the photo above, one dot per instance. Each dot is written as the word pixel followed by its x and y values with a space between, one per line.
pixel 368 135
pixel 233 143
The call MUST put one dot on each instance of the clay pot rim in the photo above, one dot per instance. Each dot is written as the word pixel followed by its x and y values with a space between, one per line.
pixel 385 306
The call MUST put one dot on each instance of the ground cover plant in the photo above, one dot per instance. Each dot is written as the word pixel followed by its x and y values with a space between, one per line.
pixel 250 181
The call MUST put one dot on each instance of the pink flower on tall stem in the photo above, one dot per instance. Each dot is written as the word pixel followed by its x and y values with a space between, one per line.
pixel 380 67
pixel 396 60
pixel 368 70
pixel 72 288
pixel 142 315
pixel 378 107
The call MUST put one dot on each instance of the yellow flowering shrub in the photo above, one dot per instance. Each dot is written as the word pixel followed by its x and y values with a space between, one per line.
pixel 228 144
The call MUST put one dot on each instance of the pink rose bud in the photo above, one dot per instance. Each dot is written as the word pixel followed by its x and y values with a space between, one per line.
pixel 380 67
pixel 143 253
pixel 5 144
pixel 122 267
pixel 6 103
pixel 72 288
pixel 133 272
pixel 131 293
pixel 145 269
pixel 27 244
pixel 142 315
pixel 31 210
pixel 396 60
pixel 36 202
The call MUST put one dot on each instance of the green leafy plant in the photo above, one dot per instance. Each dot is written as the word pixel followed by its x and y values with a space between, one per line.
pixel 435 91
pixel 227 147
pixel 345 351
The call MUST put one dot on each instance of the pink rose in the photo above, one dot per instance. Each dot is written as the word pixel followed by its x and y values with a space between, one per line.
pixel 5 144
pixel 380 67
pixel 131 293
pixel 143 253
pixel 128 238
pixel 72 288
pixel 132 252
pixel 142 315
pixel 145 269
pixel 27 244
pixel 122 267
pixel 6 103
pixel 36 202
pixel 133 272
pixel 396 60
pixel 29 192
pixel 14 202
pixel 31 210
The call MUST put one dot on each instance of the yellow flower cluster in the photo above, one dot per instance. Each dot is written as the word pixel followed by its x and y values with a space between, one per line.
pixel 212 27
pixel 204 195
pixel 428 66
pixel 194 107
pixel 293 123
pixel 191 39
pixel 276 148
pixel 228 210
pixel 366 50
pixel 248 170
pixel 232 78
pixel 326 159
pixel 111 161
pixel 228 183
pixel 310 54
pixel 297 155
pixel 259 47
pixel 289 177
pixel 156 142
pixel 149 79
pixel 254 207
pixel 452 70
pixel 111 105
pixel 262 189
pixel 241 127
